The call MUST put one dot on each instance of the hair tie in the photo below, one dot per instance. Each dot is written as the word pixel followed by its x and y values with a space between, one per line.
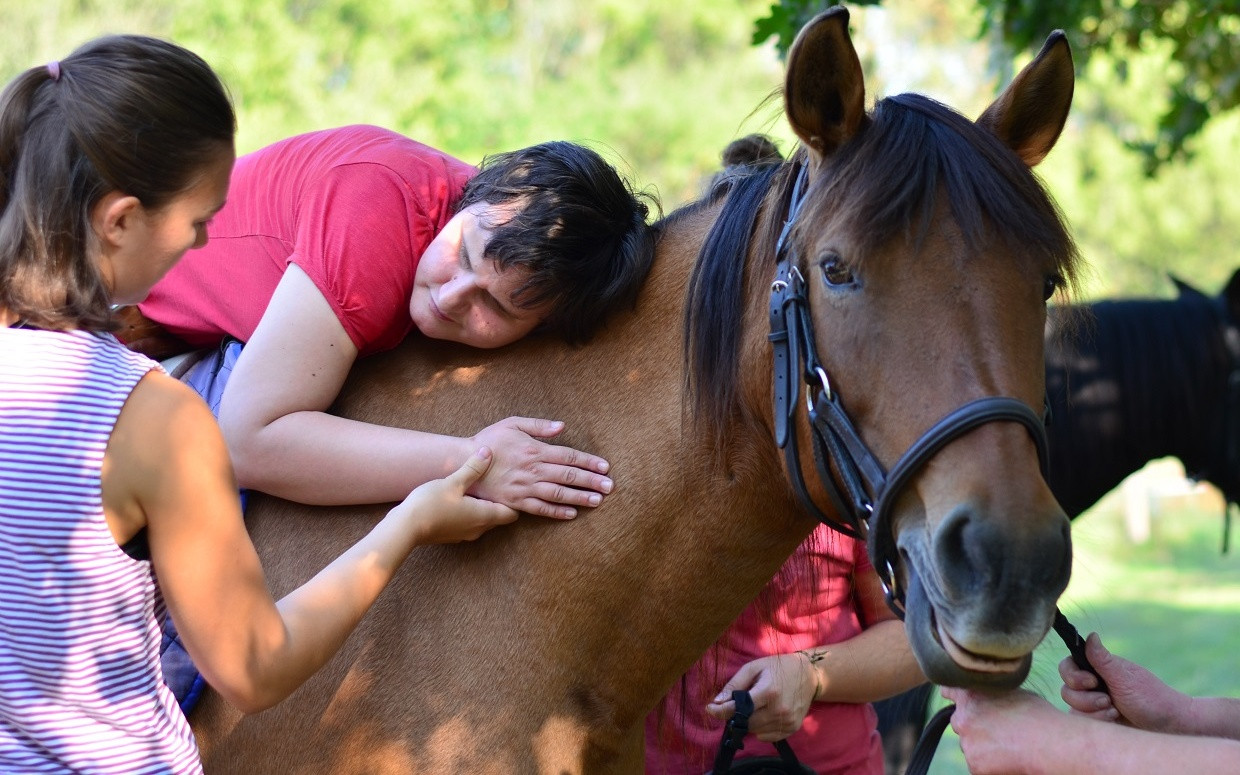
pixel 53 69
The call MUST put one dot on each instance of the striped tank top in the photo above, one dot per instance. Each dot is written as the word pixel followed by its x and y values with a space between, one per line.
pixel 80 683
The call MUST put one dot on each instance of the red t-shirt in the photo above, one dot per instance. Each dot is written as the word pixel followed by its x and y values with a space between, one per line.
pixel 353 207
pixel 810 603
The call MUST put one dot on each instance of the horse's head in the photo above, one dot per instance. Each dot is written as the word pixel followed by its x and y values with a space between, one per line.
pixel 926 250
pixel 1218 460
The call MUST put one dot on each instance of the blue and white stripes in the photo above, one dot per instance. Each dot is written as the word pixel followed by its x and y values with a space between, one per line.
pixel 80 682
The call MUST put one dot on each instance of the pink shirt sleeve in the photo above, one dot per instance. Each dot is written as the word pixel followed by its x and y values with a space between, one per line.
pixel 360 234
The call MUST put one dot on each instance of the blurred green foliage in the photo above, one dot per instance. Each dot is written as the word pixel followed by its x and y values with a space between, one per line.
pixel 660 88
pixel 1200 41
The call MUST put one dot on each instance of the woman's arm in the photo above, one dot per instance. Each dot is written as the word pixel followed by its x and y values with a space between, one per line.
pixel 1019 733
pixel 167 463
pixel 283 442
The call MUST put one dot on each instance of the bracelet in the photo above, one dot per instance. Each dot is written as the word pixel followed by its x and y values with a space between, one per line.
pixel 813 657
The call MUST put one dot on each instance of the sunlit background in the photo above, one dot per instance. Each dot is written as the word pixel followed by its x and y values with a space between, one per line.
pixel 660 88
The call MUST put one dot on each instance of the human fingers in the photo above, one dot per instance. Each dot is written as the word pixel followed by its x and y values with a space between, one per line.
pixel 558 494
pixel 1076 678
pixel 1089 703
pixel 574 479
pixel 479 516
pixel 576 459
pixel 776 711
pixel 472 469
pixel 722 706
pixel 534 426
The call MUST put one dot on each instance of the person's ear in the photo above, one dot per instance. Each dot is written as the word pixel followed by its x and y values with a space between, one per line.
pixel 115 217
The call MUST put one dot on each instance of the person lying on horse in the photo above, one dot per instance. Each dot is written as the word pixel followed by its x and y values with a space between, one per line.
pixel 339 243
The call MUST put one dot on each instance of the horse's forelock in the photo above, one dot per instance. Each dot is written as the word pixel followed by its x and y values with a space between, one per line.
pixel 884 182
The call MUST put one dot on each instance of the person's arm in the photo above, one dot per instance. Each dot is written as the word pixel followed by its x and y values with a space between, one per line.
pixel 874 664
pixel 1019 733
pixel 1141 699
pixel 284 443
pixel 167 467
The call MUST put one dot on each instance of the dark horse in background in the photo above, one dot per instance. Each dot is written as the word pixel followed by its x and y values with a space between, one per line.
pixel 920 254
pixel 1127 381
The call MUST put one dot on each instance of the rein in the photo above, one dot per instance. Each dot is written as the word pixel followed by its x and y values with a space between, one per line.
pixel 862 493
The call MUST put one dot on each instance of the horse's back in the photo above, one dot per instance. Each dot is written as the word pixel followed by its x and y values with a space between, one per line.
pixel 432 680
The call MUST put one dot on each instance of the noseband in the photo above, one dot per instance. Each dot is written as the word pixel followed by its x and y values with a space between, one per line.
pixel 862 493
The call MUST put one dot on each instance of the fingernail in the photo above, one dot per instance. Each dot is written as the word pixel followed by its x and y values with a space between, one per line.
pixel 604 467
pixel 606 484
pixel 720 697
pixel 595 499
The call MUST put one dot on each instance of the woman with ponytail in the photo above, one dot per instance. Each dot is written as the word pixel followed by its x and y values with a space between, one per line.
pixel 118 504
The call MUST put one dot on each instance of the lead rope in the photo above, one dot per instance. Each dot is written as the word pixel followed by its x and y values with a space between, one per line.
pixel 923 754
pixel 734 740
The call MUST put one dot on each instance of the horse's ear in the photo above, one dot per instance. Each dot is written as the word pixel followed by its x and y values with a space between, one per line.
pixel 1032 110
pixel 824 90
pixel 1182 287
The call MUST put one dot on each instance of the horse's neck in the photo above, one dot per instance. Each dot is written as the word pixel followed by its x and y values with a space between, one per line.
pixel 1141 380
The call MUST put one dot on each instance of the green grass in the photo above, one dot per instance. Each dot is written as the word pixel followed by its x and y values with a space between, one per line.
pixel 1171 603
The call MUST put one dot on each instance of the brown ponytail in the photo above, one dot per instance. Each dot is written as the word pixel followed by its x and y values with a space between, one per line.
pixel 127 113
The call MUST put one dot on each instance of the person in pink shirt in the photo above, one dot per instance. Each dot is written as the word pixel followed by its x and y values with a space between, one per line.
pixel 337 244
pixel 813 650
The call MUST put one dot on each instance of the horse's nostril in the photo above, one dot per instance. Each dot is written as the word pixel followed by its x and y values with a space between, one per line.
pixel 958 547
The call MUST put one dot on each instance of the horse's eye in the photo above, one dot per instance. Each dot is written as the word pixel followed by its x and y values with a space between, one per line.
pixel 835 272
pixel 1050 285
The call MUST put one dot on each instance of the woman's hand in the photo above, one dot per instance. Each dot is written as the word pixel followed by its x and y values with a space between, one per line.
pixel 1137 697
pixel 446 513
pixel 530 475
pixel 782 687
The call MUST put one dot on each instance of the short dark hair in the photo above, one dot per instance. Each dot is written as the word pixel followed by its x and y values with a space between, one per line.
pixel 124 112
pixel 579 229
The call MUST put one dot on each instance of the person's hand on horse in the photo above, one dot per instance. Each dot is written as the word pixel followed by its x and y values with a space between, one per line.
pixel 782 687
pixel 535 477
pixel 447 515
pixel 1137 698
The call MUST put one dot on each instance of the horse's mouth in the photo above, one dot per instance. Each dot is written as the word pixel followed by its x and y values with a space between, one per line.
pixel 969 660
pixel 943 659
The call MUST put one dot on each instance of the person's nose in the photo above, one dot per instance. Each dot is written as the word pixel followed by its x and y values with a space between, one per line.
pixel 454 295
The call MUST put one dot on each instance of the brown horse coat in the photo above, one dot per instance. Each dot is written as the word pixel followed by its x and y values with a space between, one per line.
pixel 542 646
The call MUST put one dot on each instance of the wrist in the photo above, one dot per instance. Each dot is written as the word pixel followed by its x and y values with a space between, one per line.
pixel 812 658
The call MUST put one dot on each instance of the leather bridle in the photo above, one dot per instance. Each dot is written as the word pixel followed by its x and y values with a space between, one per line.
pixel 862 493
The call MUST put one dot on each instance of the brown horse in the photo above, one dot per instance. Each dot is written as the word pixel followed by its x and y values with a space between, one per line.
pixel 926 250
